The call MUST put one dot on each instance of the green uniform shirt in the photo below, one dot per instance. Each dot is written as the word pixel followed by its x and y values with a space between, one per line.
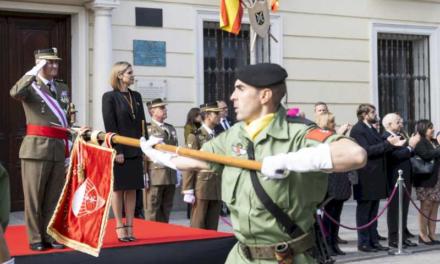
pixel 298 194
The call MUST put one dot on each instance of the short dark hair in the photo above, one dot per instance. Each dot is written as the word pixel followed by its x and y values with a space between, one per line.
pixel 364 109
pixel 278 92
pixel 422 126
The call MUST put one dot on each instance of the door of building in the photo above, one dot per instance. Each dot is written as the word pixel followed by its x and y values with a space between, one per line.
pixel 20 35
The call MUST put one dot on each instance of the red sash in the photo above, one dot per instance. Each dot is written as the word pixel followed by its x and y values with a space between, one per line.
pixel 51 132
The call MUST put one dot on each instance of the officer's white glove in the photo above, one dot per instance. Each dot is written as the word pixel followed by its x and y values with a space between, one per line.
pixel 159 157
pixel 188 196
pixel 34 71
pixel 304 160
pixel 178 178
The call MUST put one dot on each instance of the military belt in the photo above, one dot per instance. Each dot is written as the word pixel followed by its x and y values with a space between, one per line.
pixel 269 252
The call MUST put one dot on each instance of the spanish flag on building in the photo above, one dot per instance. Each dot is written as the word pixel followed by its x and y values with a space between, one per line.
pixel 231 12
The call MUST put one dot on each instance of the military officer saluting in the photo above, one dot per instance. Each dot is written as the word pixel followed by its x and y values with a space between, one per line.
pixel 283 144
pixel 44 149
pixel 202 188
pixel 162 180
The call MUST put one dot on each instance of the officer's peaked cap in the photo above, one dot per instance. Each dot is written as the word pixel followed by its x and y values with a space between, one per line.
pixel 262 75
pixel 155 103
pixel 47 54
pixel 210 107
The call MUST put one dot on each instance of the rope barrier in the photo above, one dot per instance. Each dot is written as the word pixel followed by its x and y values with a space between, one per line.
pixel 418 208
pixel 390 198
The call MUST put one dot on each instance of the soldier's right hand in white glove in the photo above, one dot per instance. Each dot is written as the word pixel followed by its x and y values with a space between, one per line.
pixel 34 71
pixel 159 157
pixel 189 197
pixel 304 160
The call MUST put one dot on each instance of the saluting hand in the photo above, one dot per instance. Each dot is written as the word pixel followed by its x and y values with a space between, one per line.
pixel 37 68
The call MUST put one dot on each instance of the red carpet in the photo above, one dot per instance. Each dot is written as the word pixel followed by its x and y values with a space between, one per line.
pixel 146 232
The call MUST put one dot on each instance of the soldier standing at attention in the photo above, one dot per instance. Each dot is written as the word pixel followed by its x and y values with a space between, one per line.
pixel 44 151
pixel 293 152
pixel 202 188
pixel 162 180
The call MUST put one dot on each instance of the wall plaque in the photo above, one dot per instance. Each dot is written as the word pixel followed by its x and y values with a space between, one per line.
pixel 149 53
pixel 151 88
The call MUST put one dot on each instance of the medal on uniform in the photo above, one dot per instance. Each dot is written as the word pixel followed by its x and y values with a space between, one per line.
pixel 43 107
pixel 64 97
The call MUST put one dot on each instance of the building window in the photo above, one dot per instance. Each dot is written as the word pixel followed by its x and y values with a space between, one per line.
pixel 223 53
pixel 403 76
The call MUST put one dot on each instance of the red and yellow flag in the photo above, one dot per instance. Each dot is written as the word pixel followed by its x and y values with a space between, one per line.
pixel 274 5
pixel 231 13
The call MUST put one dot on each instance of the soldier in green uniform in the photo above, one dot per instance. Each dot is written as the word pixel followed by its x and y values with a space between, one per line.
pixel 202 188
pixel 294 153
pixel 162 181
pixel 44 150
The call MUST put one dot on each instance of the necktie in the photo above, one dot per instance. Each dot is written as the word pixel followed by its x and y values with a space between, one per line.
pixel 52 92
pixel 167 133
pixel 225 124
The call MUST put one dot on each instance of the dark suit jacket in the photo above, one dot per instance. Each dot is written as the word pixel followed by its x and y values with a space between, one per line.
pixel 373 181
pixel 425 150
pixel 219 128
pixel 398 159
pixel 118 119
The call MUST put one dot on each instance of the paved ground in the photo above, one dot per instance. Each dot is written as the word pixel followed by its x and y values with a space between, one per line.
pixel 420 254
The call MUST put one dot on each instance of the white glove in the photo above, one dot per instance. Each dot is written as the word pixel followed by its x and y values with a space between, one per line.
pixel 159 157
pixel 304 160
pixel 34 71
pixel 178 178
pixel 188 196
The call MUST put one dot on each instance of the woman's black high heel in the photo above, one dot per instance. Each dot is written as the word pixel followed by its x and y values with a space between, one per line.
pixel 124 238
pixel 130 231
pixel 429 243
pixel 434 241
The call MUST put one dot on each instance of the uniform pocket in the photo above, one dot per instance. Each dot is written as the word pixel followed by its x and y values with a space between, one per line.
pixel 230 178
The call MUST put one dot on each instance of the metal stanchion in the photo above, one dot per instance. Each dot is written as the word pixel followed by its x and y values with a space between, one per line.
pixel 400 251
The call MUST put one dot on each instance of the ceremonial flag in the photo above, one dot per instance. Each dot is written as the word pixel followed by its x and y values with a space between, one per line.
pixel 231 13
pixel 81 214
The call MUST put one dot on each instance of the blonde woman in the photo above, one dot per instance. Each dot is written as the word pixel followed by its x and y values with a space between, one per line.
pixel 123 114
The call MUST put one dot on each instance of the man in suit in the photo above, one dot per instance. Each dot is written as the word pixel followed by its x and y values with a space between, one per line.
pixel 398 159
pixel 203 189
pixel 44 151
pixel 224 123
pixel 372 185
pixel 162 180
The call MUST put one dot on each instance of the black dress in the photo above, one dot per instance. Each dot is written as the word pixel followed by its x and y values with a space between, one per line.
pixel 123 114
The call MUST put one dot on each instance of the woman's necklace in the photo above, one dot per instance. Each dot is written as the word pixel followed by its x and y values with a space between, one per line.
pixel 130 104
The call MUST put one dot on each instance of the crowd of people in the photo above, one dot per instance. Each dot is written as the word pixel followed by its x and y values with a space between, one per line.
pixel 388 153
pixel 342 160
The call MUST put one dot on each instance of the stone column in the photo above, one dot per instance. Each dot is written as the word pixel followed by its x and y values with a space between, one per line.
pixel 102 56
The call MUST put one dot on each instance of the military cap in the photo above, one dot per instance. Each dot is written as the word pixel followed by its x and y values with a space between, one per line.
pixel 155 103
pixel 47 54
pixel 262 75
pixel 210 107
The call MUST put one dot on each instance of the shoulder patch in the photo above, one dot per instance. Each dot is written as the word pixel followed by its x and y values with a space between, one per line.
pixel 299 120
pixel 319 134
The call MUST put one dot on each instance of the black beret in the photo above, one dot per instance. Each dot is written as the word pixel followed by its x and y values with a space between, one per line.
pixel 262 75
